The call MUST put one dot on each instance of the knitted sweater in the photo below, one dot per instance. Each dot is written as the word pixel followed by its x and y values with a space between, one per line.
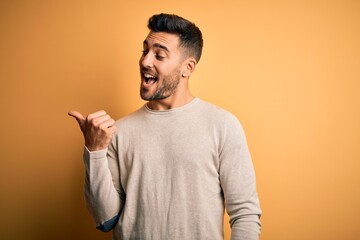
pixel 169 175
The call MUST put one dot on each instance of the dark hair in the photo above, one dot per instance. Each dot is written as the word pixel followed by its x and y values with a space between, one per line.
pixel 189 34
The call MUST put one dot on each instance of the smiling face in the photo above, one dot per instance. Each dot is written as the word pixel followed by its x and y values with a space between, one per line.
pixel 160 66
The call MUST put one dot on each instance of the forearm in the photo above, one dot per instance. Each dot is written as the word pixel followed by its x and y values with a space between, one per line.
pixel 242 203
pixel 249 230
pixel 102 199
pixel 238 182
pixel 245 221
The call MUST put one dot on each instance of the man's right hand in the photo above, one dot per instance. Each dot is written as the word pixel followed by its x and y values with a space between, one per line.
pixel 97 129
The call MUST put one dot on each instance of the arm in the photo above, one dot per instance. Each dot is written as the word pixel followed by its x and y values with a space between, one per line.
pixel 102 197
pixel 238 183
pixel 103 200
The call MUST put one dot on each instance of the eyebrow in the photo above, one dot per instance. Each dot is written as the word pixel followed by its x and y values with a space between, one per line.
pixel 158 45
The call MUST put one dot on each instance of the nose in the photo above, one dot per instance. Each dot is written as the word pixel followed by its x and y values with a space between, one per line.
pixel 146 60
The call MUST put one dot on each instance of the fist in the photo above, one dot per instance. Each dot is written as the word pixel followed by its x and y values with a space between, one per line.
pixel 97 129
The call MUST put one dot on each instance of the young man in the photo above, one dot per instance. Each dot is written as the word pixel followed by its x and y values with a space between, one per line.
pixel 168 170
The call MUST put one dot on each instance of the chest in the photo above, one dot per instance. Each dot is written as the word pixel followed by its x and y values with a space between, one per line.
pixel 170 151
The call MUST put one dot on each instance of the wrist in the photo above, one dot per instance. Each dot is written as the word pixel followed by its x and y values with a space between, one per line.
pixel 95 150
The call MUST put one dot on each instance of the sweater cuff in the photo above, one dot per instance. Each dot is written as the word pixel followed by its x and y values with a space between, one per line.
pixel 100 154
pixel 96 156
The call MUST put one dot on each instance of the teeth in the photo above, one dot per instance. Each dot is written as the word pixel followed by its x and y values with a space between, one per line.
pixel 148 76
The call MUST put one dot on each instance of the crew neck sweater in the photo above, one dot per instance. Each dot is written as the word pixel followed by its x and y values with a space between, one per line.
pixel 170 175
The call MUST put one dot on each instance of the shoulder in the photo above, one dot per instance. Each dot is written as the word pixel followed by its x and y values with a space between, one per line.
pixel 217 113
pixel 131 119
pixel 126 125
pixel 225 122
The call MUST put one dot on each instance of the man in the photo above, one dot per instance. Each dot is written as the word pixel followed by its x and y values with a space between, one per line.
pixel 168 170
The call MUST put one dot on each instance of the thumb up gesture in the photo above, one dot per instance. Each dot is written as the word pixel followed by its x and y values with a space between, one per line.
pixel 97 129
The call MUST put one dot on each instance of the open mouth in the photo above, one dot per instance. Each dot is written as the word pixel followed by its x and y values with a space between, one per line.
pixel 149 79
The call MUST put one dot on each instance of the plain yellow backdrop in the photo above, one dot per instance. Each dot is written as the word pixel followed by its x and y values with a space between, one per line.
pixel 289 70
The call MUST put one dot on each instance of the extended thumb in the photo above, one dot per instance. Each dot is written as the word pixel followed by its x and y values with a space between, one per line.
pixel 78 116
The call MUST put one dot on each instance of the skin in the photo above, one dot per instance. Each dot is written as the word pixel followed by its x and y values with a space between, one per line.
pixel 162 58
pixel 97 128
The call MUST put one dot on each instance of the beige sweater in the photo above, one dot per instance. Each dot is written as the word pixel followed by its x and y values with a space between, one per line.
pixel 169 175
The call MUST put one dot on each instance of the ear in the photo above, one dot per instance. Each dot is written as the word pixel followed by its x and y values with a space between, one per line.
pixel 189 67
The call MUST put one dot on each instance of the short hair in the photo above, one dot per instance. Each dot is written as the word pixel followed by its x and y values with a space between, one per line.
pixel 189 34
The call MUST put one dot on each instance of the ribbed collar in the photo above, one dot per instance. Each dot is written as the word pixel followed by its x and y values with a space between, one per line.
pixel 173 110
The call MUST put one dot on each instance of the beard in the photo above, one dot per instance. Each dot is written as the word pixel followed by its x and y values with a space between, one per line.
pixel 164 90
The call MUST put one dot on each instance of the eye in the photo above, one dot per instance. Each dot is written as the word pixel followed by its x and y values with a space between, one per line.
pixel 144 52
pixel 159 57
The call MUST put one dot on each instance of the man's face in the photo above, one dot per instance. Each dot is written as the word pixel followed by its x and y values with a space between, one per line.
pixel 160 66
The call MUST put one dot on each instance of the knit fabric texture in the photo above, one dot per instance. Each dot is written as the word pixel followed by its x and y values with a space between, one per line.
pixel 171 174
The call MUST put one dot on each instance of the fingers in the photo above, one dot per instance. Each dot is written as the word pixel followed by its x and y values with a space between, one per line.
pixel 96 115
pixel 100 119
pixel 109 122
pixel 97 128
pixel 97 118
pixel 112 130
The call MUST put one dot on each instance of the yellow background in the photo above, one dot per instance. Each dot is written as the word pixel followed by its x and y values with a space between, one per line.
pixel 289 70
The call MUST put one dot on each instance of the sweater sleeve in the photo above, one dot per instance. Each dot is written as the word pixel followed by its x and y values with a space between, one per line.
pixel 103 196
pixel 237 179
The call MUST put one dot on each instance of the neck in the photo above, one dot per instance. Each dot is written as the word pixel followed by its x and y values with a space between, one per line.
pixel 173 101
